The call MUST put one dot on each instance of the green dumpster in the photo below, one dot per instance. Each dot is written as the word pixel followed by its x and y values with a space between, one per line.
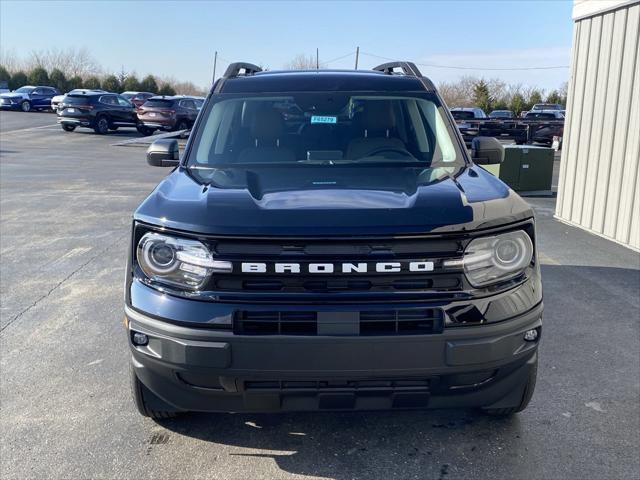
pixel 526 168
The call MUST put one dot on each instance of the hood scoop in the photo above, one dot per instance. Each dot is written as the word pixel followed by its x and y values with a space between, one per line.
pixel 335 199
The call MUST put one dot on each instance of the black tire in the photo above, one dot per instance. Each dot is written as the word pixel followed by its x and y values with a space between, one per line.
pixel 25 106
pixel 526 396
pixel 181 125
pixel 68 128
pixel 144 398
pixel 146 131
pixel 102 125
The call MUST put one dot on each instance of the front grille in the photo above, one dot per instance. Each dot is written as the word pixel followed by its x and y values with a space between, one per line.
pixel 355 251
pixel 338 394
pixel 290 386
pixel 421 321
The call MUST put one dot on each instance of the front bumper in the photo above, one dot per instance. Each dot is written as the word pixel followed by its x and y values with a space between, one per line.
pixel 202 369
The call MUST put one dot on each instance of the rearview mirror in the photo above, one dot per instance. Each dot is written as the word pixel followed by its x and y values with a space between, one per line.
pixel 486 151
pixel 164 152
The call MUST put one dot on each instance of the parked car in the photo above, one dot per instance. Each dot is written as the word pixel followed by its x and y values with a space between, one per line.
pixel 468 113
pixel 353 258
pixel 57 100
pixel 464 118
pixel 100 111
pixel 137 98
pixel 501 114
pixel 169 113
pixel 547 106
pixel 28 98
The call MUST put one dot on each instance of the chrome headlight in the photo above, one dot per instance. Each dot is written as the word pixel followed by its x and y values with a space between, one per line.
pixel 489 260
pixel 177 261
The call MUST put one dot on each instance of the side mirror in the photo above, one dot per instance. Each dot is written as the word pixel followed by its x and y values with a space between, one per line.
pixel 487 151
pixel 164 152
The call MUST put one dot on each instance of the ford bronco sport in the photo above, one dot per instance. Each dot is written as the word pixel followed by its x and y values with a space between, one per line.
pixel 326 242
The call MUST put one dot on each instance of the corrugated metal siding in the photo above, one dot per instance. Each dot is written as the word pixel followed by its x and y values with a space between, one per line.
pixel 599 186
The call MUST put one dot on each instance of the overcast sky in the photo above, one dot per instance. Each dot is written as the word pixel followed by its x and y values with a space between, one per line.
pixel 172 38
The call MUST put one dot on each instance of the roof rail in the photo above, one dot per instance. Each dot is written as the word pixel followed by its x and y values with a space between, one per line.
pixel 234 69
pixel 408 68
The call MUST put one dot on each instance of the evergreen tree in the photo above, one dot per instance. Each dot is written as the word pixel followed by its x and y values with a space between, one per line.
pixel 74 82
pixel 131 84
pixel 18 79
pixel 166 89
pixel 148 84
pixel 92 83
pixel 58 79
pixel 5 76
pixel 38 76
pixel 481 96
pixel 111 84
pixel 517 104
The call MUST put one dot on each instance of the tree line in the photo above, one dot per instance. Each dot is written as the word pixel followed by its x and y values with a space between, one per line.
pixel 495 94
pixel 76 68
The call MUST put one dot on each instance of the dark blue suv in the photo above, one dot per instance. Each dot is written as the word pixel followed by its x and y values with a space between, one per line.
pixel 326 242
pixel 28 98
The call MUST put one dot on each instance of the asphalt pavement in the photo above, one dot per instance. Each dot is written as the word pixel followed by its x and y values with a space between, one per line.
pixel 65 211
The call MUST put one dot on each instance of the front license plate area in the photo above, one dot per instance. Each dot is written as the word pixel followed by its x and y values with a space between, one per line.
pixel 338 323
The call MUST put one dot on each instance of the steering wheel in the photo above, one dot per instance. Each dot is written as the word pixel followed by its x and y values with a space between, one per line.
pixel 390 149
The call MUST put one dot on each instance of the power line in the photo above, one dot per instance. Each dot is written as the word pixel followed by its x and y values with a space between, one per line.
pixel 457 67
pixel 338 58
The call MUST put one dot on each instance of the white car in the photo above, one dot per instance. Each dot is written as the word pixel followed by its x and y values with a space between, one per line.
pixel 57 100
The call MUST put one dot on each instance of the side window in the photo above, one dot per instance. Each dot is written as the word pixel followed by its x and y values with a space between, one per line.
pixel 123 102
pixel 37 91
pixel 108 100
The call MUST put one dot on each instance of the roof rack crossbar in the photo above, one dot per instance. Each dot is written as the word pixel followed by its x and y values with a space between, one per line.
pixel 234 69
pixel 408 68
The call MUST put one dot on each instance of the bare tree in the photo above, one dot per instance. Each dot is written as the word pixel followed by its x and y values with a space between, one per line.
pixel 11 61
pixel 302 62
pixel 72 62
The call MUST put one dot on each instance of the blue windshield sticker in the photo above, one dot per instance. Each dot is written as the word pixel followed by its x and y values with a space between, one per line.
pixel 323 119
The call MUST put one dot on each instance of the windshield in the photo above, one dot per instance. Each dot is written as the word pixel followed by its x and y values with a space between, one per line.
pixel 25 89
pixel 462 115
pixel 501 114
pixel 331 128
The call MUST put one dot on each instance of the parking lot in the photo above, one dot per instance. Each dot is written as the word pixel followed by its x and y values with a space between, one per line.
pixel 66 204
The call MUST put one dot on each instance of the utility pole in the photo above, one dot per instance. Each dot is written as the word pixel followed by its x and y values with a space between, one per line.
pixel 317 60
pixel 357 56
pixel 215 61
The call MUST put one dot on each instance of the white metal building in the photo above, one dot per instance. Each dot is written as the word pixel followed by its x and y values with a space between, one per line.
pixel 599 186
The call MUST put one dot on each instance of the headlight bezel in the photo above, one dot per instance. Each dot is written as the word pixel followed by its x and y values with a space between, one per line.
pixel 481 263
pixel 189 268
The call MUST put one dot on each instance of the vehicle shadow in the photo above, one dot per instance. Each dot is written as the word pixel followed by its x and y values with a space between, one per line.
pixel 347 445
pixel 123 132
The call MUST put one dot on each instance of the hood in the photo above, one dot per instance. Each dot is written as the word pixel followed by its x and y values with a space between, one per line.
pixel 403 203
pixel 14 95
